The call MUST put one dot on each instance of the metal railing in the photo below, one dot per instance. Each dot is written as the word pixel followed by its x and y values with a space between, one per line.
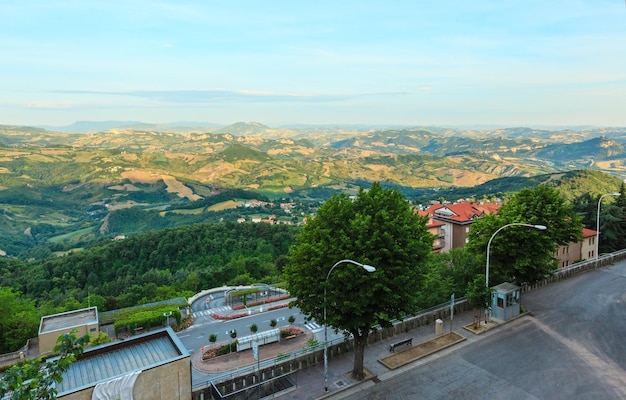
pixel 279 359
pixel 577 268
pixel 561 273
pixel 308 349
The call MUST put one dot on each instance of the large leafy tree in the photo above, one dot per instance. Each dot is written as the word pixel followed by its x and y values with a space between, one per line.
pixel 611 233
pixel 19 320
pixel 586 206
pixel 378 228
pixel 518 253
pixel 447 273
pixel 621 203
pixel 612 218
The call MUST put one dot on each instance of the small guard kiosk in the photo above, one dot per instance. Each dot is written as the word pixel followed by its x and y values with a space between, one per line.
pixel 505 301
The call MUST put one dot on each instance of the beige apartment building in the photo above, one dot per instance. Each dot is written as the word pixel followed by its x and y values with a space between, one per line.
pixel 84 321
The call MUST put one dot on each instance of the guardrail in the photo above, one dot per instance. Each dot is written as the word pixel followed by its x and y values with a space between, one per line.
pixel 281 358
pixel 577 268
pixel 439 310
pixel 16 355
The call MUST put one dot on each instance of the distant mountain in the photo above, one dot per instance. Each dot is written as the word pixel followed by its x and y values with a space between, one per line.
pixel 599 148
pixel 105 126
pixel 244 129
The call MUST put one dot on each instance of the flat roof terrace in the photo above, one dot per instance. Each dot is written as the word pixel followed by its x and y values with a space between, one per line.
pixel 69 319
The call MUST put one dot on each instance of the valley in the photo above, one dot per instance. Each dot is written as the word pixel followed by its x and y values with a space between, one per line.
pixel 64 189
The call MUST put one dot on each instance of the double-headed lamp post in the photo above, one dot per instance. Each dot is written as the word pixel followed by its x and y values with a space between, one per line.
pixel 366 267
pixel 540 227
pixel 598 222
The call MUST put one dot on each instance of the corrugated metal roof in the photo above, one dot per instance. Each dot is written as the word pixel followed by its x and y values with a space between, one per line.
pixel 106 362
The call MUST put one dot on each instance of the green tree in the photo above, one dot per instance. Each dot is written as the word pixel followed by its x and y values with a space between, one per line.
pixel 102 338
pixel 621 203
pixel 378 228
pixel 518 253
pixel 478 296
pixel 586 205
pixel 273 323
pixel 611 233
pixel 212 338
pixel 291 319
pixel 19 320
pixel 254 328
pixel 447 273
pixel 31 379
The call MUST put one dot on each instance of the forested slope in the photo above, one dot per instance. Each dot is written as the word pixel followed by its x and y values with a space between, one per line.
pixel 156 265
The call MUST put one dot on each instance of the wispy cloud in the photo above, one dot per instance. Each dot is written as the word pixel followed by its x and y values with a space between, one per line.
pixel 218 95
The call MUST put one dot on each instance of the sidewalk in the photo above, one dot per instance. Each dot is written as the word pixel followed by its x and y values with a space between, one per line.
pixel 310 381
pixel 340 385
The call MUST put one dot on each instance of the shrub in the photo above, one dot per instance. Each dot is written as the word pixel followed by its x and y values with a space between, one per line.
pixel 145 318
pixel 290 331
pixel 225 349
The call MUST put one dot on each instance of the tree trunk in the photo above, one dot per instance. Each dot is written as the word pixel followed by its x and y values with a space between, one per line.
pixel 477 315
pixel 359 351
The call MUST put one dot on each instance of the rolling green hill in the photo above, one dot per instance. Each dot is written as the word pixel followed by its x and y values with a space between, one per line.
pixel 82 187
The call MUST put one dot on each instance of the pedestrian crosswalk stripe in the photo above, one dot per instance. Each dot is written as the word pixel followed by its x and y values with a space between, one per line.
pixel 219 310
pixel 312 326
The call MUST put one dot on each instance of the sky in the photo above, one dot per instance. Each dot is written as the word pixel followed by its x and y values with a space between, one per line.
pixel 277 62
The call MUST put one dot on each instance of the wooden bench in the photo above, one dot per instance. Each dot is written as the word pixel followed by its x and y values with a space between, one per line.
pixel 409 341
pixel 290 337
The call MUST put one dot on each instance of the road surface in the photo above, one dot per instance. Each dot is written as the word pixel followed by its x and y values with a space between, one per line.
pixel 572 347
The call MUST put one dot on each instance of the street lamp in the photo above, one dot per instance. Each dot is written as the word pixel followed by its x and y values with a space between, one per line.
pixel 366 267
pixel 540 227
pixel 598 222
pixel 167 317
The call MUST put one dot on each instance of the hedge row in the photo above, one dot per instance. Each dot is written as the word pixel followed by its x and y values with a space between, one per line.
pixel 259 302
pixel 235 316
pixel 110 317
pixel 146 319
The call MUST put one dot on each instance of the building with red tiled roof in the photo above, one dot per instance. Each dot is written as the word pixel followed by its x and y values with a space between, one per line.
pixel 436 229
pixel 454 220
pixel 450 223
pixel 577 251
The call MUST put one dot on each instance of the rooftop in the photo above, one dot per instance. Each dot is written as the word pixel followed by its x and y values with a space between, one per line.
pixel 112 360
pixel 69 319
pixel 464 212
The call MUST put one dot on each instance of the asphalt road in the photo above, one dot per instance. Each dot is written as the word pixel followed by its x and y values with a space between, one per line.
pixel 573 346
pixel 204 325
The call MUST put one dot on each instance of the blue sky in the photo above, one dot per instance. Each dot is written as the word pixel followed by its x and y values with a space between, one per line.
pixel 454 62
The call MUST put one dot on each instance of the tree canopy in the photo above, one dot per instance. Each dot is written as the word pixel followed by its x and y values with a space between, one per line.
pixel 19 320
pixel 522 254
pixel 378 228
